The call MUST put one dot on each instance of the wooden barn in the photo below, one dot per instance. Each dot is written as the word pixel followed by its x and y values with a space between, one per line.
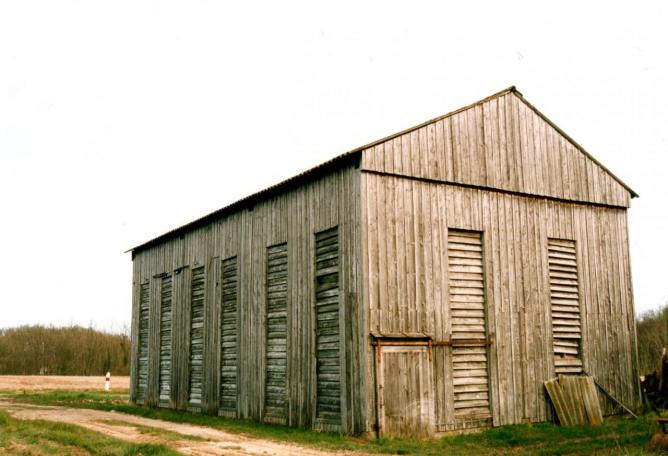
pixel 427 282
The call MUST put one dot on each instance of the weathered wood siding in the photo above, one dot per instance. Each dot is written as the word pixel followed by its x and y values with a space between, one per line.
pixel 276 364
pixel 166 339
pixel 405 238
pixel 292 217
pixel 407 395
pixel 466 285
pixel 142 369
pixel 565 306
pixel 229 350
pixel 196 366
pixel 328 330
pixel 501 143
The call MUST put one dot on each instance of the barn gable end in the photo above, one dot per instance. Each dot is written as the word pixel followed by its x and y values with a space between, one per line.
pixel 503 143
pixel 492 224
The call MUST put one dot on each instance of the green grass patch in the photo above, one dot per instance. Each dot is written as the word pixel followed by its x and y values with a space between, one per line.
pixel 69 398
pixel 37 437
pixel 615 436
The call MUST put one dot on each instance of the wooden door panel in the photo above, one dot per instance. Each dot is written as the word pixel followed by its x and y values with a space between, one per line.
pixel 407 392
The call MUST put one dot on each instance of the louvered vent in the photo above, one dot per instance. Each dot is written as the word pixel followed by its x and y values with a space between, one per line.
pixel 196 337
pixel 165 339
pixel 328 405
pixel 467 312
pixel 277 332
pixel 142 370
pixel 565 302
pixel 228 340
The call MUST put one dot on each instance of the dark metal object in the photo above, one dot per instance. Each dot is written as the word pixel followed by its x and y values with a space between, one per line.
pixel 613 398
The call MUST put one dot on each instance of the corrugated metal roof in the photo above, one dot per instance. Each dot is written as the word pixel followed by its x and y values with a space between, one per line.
pixel 250 200
pixel 348 158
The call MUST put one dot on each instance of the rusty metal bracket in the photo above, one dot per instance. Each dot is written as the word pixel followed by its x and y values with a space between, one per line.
pixel 378 342
pixel 426 342
pixel 432 343
pixel 379 352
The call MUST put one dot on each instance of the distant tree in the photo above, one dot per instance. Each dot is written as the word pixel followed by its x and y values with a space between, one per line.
pixel 652 329
pixel 73 350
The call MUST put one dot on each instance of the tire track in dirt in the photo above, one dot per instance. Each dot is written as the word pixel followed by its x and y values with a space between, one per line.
pixel 124 427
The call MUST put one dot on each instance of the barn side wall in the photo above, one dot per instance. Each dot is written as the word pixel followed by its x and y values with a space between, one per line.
pixel 292 217
pixel 405 233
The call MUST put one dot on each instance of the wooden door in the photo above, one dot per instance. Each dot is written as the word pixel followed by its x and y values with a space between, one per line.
pixel 405 392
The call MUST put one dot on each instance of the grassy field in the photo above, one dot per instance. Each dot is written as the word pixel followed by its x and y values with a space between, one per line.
pixel 616 436
pixel 59 382
pixel 35 437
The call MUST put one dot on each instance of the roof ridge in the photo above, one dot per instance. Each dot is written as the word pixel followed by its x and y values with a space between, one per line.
pixel 511 89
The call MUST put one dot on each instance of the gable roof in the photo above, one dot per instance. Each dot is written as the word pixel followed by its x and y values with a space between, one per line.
pixel 518 94
pixel 572 141
pixel 353 156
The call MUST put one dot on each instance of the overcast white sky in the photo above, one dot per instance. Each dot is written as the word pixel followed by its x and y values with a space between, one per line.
pixel 121 120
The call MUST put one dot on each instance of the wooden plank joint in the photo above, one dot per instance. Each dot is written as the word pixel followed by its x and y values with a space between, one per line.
pixel 464 343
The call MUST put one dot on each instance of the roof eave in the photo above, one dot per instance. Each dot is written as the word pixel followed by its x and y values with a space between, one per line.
pixel 335 163
pixel 578 146
pixel 349 157
pixel 308 174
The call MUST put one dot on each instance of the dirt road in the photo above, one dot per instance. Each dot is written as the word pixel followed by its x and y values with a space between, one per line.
pixel 209 441
pixel 56 382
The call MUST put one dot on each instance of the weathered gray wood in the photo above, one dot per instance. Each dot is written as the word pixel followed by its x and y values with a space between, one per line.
pixel 407 392
pixel 565 300
pixel 275 398
pixel 228 340
pixel 211 355
pixel 516 231
pixel 502 142
pixel 294 217
pixel 142 371
pixel 328 343
pixel 575 400
pixel 166 340
pixel 196 365
pixel 469 364
pixel 153 383
pixel 181 337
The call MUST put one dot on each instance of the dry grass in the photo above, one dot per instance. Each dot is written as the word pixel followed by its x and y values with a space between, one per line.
pixel 60 382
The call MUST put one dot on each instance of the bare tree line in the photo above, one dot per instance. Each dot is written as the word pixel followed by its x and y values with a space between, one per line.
pixel 74 350
pixel 652 327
